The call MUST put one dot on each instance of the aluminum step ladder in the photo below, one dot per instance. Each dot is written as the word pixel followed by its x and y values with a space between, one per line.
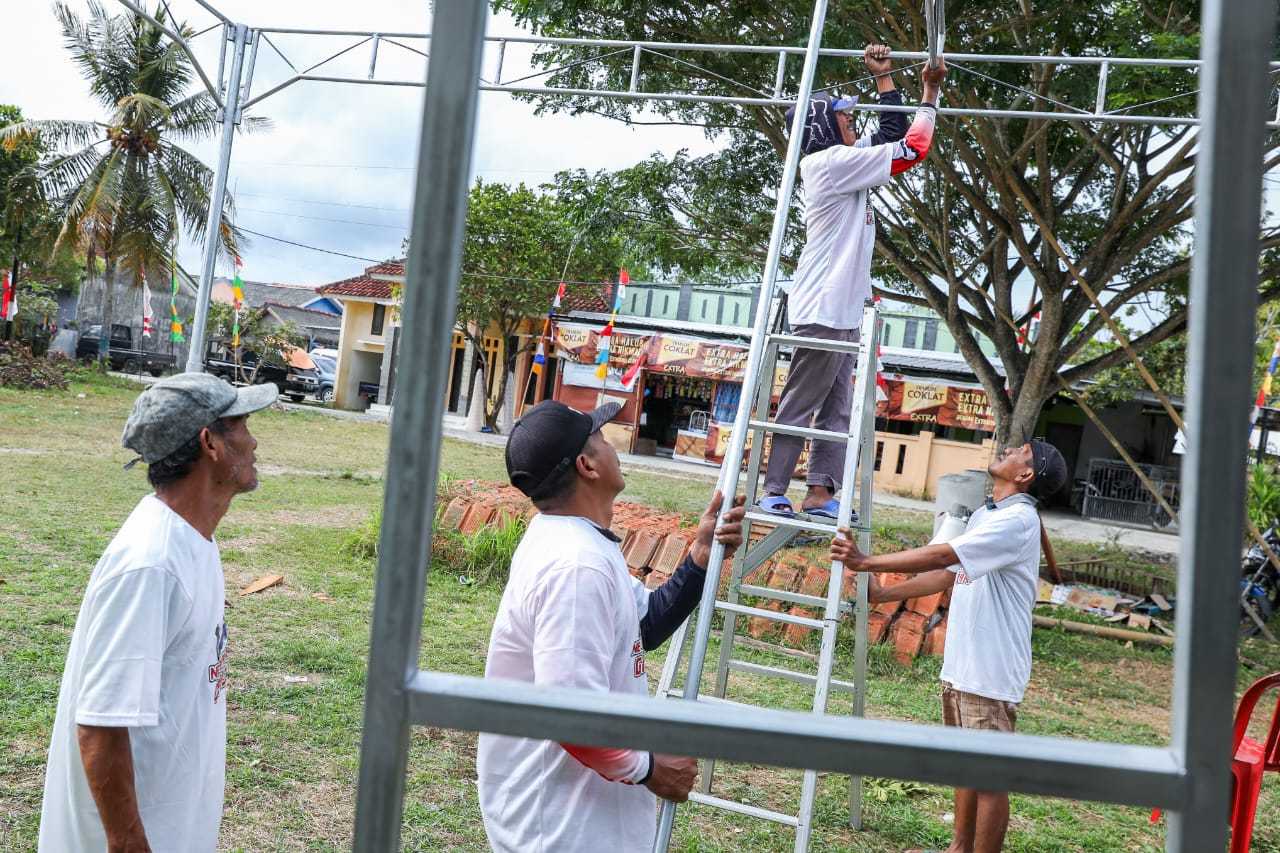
pixel 751 557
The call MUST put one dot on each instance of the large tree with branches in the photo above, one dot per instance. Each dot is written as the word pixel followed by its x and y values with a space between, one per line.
pixel 1009 219
pixel 123 188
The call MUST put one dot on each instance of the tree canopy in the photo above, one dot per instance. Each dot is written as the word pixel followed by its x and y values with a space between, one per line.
pixel 519 244
pixel 981 216
pixel 123 188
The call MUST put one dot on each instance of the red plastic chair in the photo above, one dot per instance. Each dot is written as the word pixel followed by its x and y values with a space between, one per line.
pixel 1250 760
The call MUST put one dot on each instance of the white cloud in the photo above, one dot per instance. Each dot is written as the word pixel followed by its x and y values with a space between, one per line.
pixel 317 164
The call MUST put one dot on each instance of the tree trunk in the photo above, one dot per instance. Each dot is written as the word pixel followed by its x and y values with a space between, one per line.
pixel 493 407
pixel 108 310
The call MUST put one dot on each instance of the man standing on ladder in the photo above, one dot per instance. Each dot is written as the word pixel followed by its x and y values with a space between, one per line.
pixel 572 616
pixel 833 277
pixel 993 569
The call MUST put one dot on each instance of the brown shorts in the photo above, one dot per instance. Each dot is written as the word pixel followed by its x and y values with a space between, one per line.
pixel 970 711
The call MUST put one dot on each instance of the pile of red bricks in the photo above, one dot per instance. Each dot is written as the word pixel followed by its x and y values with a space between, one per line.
pixel 655 543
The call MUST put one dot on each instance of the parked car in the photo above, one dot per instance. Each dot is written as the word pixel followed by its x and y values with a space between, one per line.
pixel 122 355
pixel 296 380
pixel 327 366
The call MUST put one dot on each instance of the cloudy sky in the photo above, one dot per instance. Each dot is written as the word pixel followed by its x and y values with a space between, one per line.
pixel 336 171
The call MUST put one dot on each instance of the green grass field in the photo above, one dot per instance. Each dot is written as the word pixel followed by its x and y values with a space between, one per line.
pixel 293 745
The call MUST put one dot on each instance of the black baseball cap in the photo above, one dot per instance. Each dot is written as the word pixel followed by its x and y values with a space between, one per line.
pixel 1049 467
pixel 548 439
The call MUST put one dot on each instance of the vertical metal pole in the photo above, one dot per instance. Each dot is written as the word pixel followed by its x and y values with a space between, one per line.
pixel 1100 103
pixel 502 55
pixel 635 67
pixel 732 465
pixel 373 55
pixel 433 264
pixel 247 85
pixel 217 195
pixel 835 580
pixel 866 477
pixel 780 75
pixel 222 57
pixel 1235 46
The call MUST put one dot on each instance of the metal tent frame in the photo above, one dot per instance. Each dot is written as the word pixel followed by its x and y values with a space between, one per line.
pixel 1188 777
pixel 231 89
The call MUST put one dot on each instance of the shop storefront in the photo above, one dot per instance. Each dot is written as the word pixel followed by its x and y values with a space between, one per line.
pixel 682 395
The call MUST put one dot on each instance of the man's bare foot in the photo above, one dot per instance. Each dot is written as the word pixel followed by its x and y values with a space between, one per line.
pixel 816 497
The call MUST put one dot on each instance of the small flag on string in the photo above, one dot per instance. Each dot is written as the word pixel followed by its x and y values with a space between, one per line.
pixel 237 300
pixel 882 384
pixel 629 378
pixel 555 303
pixel 602 351
pixel 175 322
pixel 621 293
pixel 148 315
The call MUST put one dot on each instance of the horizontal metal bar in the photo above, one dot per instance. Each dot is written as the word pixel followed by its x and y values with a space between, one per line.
pixel 775 615
pixel 789 675
pixel 790 597
pixel 742 808
pixel 802 432
pixel 1032 764
pixel 816 343
pixel 795 50
pixel 1107 118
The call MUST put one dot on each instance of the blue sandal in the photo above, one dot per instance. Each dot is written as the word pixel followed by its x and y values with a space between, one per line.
pixel 830 510
pixel 776 505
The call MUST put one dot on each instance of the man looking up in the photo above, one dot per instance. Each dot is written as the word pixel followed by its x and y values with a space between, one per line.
pixel 572 616
pixel 993 569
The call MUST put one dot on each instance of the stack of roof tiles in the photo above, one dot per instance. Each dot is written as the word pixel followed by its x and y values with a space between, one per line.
pixel 654 544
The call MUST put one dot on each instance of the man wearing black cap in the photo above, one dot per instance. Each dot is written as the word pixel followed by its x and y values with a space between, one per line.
pixel 137 758
pixel 993 569
pixel 572 616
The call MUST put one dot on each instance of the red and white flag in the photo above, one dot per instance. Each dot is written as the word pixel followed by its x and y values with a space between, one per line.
pixel 8 299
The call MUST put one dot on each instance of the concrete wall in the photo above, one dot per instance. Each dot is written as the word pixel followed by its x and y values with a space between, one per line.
pixel 924 459
pixel 127 309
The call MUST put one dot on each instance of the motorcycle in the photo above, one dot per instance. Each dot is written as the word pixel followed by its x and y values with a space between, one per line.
pixel 1259 583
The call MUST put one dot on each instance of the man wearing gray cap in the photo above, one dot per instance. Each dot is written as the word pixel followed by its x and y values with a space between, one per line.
pixel 138 752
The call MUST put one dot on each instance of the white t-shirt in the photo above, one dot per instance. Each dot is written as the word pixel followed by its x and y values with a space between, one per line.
pixel 148 653
pixel 988 648
pixel 833 277
pixel 569 617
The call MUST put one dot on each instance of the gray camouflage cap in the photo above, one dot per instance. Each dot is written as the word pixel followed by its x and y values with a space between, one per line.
pixel 174 410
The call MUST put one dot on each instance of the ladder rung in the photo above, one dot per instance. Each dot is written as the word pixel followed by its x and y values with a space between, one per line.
pixel 775 615
pixel 789 674
pixel 816 343
pixel 790 597
pixel 743 808
pixel 829 527
pixel 676 693
pixel 802 432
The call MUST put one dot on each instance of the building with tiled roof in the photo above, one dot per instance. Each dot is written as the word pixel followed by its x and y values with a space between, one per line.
pixel 374 283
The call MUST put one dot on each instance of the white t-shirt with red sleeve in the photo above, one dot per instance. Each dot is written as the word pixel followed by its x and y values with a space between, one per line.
pixel 569 617
pixel 148 653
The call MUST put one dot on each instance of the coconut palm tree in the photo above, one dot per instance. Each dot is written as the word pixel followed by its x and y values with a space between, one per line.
pixel 123 188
